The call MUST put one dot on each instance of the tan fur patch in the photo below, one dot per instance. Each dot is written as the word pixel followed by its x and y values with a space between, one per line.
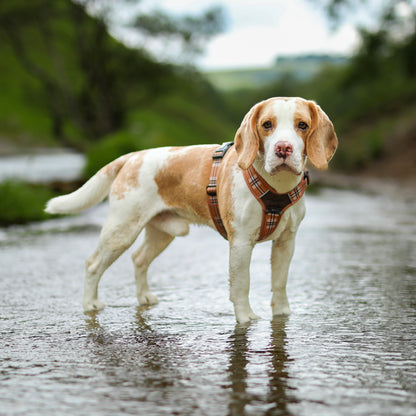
pixel 267 114
pixel 303 114
pixel 183 180
pixel 114 167
pixel 128 177
pixel 247 139
pixel 322 141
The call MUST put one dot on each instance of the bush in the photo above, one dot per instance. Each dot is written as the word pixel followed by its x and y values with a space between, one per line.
pixel 22 202
pixel 109 149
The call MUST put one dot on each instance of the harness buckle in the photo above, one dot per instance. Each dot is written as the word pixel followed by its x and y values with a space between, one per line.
pixel 222 150
pixel 307 177
pixel 211 190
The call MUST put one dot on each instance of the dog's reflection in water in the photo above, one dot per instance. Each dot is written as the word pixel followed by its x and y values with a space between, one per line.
pixel 243 386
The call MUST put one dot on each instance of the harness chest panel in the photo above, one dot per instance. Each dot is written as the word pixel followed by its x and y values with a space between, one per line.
pixel 273 203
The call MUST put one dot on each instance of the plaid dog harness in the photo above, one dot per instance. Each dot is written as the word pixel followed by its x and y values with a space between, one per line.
pixel 212 188
pixel 273 203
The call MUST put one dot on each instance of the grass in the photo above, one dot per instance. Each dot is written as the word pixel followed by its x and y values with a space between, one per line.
pixel 21 202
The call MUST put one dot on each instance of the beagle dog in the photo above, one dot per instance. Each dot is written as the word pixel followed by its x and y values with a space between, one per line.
pixel 163 190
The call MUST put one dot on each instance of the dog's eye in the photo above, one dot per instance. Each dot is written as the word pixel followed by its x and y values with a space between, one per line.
pixel 302 125
pixel 268 125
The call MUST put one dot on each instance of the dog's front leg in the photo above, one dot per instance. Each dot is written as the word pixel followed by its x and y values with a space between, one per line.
pixel 282 253
pixel 240 255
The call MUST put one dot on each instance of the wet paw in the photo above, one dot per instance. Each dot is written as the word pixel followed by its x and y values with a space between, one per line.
pixel 245 317
pixel 280 304
pixel 281 311
pixel 281 308
pixel 147 298
pixel 93 306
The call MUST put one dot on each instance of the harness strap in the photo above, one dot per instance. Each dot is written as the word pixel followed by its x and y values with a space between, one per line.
pixel 212 188
pixel 273 203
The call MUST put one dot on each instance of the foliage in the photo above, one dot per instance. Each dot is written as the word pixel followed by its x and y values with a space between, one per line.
pixel 174 120
pixel 79 81
pixel 367 97
pixel 71 83
pixel 192 31
pixel 21 202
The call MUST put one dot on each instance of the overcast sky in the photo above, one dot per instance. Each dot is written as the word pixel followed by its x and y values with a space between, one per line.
pixel 257 31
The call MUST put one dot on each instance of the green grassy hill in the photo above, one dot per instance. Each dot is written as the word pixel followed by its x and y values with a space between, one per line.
pixel 298 68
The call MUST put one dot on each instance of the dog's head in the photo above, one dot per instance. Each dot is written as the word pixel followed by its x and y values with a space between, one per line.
pixel 282 131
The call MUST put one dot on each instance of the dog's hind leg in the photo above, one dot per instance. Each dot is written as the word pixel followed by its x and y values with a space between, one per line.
pixel 117 235
pixel 154 243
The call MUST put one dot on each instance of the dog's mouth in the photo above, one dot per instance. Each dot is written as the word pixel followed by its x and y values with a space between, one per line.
pixel 284 167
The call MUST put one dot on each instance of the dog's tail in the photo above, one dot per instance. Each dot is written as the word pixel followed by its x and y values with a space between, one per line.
pixel 91 193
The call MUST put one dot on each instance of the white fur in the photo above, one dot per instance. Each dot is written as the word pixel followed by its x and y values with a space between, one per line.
pixel 247 225
pixel 90 194
pixel 285 112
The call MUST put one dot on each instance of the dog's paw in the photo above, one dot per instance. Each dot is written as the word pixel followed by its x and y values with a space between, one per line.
pixel 245 316
pixel 147 298
pixel 93 305
pixel 281 310
pixel 280 304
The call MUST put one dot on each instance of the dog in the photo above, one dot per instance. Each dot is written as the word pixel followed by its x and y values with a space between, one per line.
pixel 164 190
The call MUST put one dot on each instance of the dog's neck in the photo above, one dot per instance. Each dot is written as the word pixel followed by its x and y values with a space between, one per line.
pixel 282 181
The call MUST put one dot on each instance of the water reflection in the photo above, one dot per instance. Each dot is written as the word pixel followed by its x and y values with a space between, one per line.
pixel 159 368
pixel 141 367
pixel 142 357
pixel 279 394
pixel 238 344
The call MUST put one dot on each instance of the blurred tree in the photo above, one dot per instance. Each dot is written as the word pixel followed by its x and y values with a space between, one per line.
pixel 382 70
pixel 391 37
pixel 192 32
pixel 373 98
pixel 185 34
pixel 384 11
pixel 89 79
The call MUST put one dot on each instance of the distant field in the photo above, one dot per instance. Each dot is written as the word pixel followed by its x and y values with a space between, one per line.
pixel 300 68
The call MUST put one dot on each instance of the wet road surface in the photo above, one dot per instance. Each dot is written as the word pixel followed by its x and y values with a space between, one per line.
pixel 349 347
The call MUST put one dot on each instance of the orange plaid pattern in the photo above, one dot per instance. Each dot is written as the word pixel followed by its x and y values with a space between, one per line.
pixel 273 203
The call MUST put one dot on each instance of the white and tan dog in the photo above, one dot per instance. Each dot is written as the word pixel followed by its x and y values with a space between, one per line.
pixel 164 190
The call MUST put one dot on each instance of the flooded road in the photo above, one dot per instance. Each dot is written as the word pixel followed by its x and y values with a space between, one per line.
pixel 349 347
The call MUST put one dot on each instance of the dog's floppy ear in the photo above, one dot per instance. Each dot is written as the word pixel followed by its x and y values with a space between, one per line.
pixel 247 139
pixel 322 141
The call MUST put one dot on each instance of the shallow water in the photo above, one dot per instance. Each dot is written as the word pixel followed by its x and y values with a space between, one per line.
pixel 62 165
pixel 347 349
